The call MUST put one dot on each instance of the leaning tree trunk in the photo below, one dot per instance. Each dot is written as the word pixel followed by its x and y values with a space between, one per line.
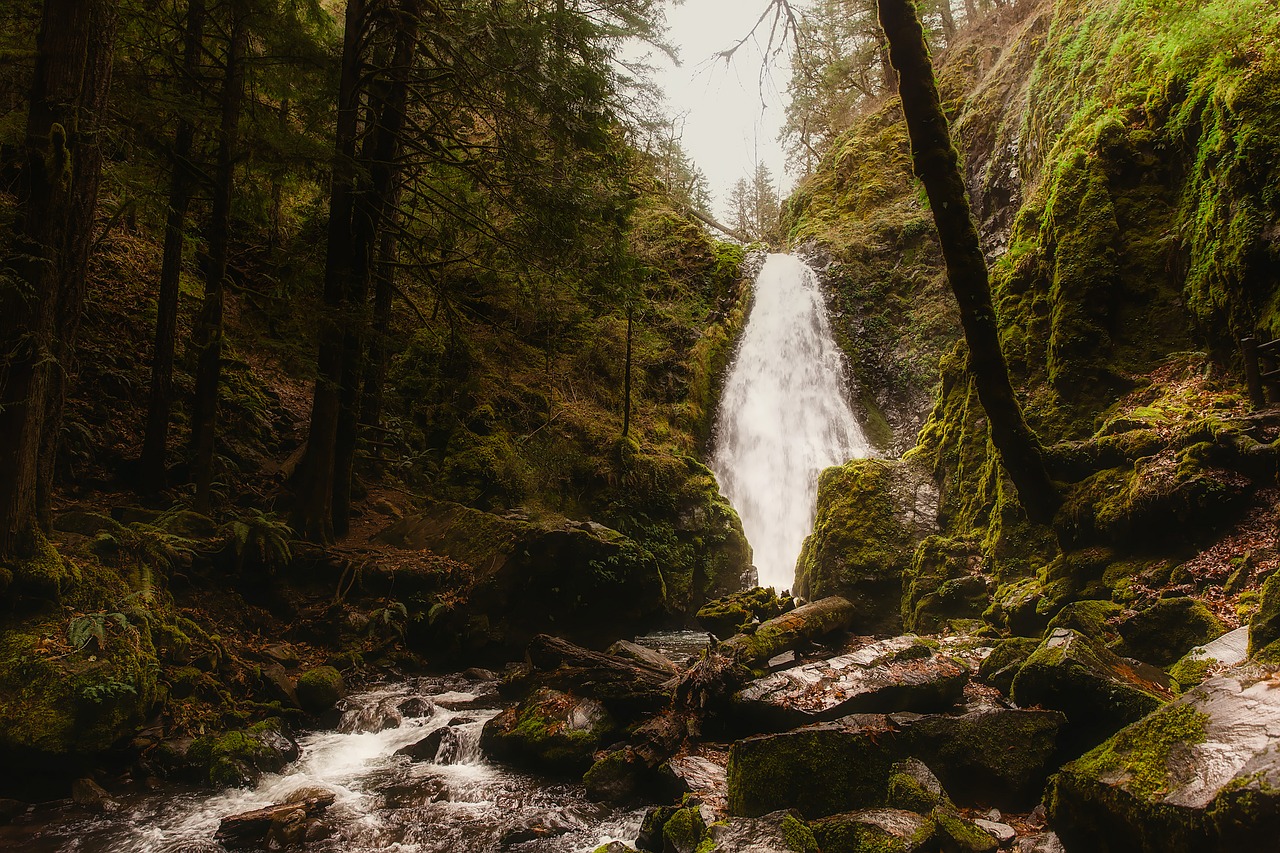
pixel 151 464
pixel 938 166
pixel 208 333
pixel 42 294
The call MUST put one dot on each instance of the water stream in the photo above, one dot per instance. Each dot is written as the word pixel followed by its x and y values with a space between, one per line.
pixel 456 803
pixel 784 416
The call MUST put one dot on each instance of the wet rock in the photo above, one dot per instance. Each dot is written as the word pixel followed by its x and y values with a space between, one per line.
pixel 1001 832
pixel 684 831
pixel 703 775
pixel 888 830
pixel 476 673
pixel 320 689
pixel 546 825
pixel 990 756
pixel 276 750
pixel 283 823
pixel 416 707
pixel 1231 649
pixel 369 718
pixel 899 674
pixel 628 650
pixel 614 847
pixel 871 515
pixel 88 794
pixel 1202 773
pixel 427 748
pixel 791 630
pixel 650 835
pixel 779 832
pixel 618 777
pixel 1098 691
pixel 1167 630
pixel 550 731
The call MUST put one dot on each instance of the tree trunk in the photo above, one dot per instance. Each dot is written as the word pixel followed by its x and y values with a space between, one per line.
pixel 938 166
pixel 626 380
pixel 151 465
pixel 312 516
pixel 208 336
pixel 382 170
pixel 948 20
pixel 40 303
pixel 375 377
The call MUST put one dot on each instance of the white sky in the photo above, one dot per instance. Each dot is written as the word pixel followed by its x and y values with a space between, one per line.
pixel 732 112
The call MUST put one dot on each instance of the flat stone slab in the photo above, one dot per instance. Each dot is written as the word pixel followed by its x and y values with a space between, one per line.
pixel 704 775
pixel 899 674
pixel 1231 649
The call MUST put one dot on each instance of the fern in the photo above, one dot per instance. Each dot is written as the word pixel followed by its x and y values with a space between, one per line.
pixel 264 538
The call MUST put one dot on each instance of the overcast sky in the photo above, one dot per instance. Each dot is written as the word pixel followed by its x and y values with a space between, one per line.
pixel 732 112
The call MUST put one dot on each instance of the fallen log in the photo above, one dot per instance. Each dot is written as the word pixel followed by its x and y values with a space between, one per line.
pixel 790 630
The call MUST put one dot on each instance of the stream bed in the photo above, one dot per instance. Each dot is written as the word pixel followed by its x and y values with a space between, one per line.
pixel 458 802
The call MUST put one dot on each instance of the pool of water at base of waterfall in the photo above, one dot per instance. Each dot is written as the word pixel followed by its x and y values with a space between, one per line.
pixel 459 803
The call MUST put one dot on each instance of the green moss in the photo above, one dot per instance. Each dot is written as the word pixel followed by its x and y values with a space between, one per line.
pixel 944 582
pixel 1264 627
pixel 1094 619
pixel 961 835
pixel 1189 672
pixel 320 689
pixel 728 615
pixel 1001 666
pixel 42 574
pixel 1162 633
pixel 798 837
pixel 685 830
pixel 1141 752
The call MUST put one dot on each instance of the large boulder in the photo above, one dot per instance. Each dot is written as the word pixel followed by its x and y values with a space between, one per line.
pixel 1099 691
pixel 549 731
pixel 1231 649
pixel 987 756
pixel 899 674
pixel 1168 629
pixel 871 515
pixel 1202 773
pixel 319 689
pixel 779 832
pixel 887 830
pixel 581 580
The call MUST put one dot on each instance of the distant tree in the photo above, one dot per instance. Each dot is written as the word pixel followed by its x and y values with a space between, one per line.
pixel 755 209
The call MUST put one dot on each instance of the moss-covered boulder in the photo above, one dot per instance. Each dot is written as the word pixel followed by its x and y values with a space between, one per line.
pixel 729 614
pixel 957 835
pixel 549 731
pixel 944 582
pixel 881 830
pixel 1264 627
pixel 1098 691
pixel 871 515
pixel 1007 657
pixel 1168 629
pixel 237 758
pixel 319 689
pixel 1202 773
pixel 580 580
pixel 77 682
pixel 821 770
pixel 1092 618
pixel 915 788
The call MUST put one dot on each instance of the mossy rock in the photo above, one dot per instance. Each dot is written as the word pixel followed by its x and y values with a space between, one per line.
pixel 728 615
pixel 236 759
pixel 1093 618
pixel 914 788
pixel 550 731
pixel 944 582
pixel 1164 632
pixel 1001 666
pixel 958 835
pixel 871 515
pixel 320 689
pixel 776 832
pixel 1015 607
pixel 1264 627
pixel 42 575
pixel 1098 691
pixel 684 831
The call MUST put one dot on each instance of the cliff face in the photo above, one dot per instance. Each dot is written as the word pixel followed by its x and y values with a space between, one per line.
pixel 1122 157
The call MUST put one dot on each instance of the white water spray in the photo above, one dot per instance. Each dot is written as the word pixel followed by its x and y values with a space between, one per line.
pixel 783 417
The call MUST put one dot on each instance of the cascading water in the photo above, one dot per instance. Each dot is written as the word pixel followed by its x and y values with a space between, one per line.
pixel 783 417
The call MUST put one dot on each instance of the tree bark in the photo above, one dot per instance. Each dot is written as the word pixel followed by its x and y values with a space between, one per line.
pixel 312 516
pixel 375 377
pixel 938 166
pixel 208 336
pixel 626 379
pixel 42 292
pixel 151 464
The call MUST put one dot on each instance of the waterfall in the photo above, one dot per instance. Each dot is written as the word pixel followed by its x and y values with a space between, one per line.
pixel 783 417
